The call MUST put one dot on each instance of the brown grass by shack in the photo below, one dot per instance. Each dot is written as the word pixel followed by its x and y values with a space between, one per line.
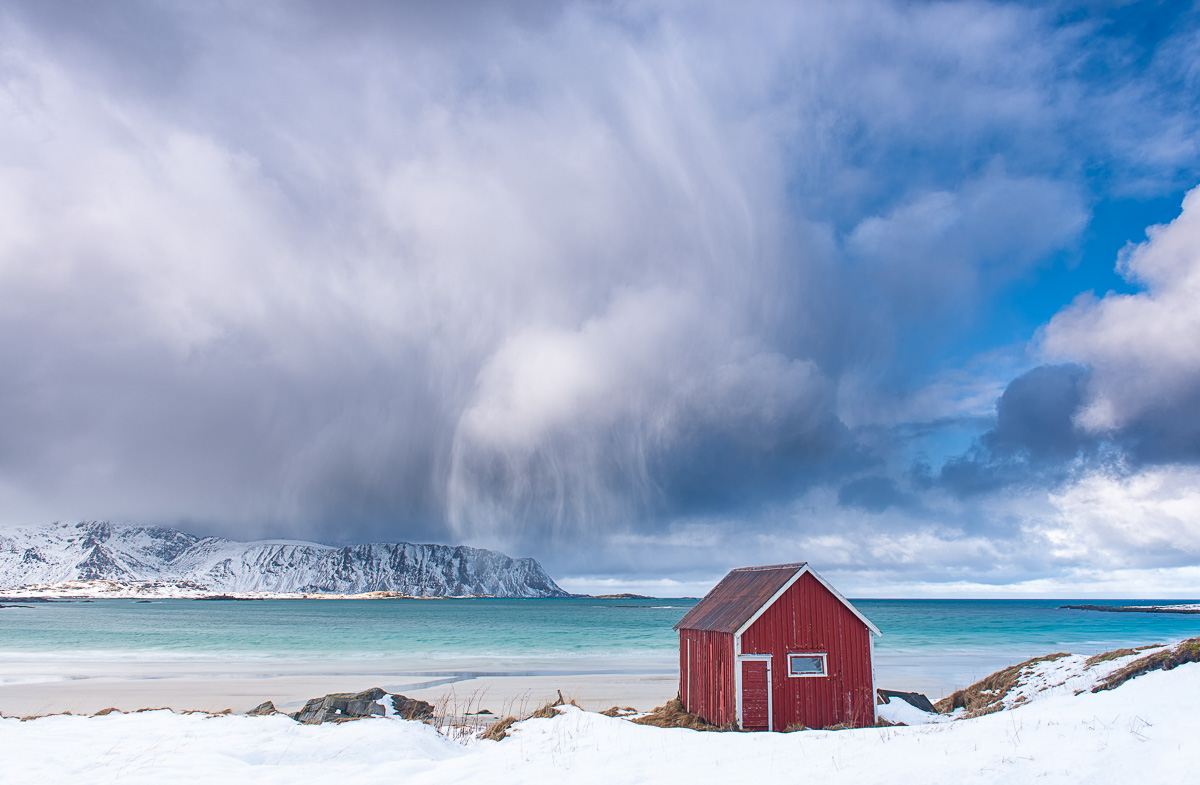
pixel 672 715
pixel 619 711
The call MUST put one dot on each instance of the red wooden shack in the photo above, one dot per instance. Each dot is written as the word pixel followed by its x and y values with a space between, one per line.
pixel 773 647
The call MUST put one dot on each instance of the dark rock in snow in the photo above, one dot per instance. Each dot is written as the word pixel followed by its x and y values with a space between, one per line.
pixel 263 709
pixel 341 707
pixel 411 708
pixel 915 699
pixel 345 706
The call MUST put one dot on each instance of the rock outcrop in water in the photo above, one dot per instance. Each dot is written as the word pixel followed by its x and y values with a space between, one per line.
pixel 102 551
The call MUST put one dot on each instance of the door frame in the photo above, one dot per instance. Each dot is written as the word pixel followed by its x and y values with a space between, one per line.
pixel 737 678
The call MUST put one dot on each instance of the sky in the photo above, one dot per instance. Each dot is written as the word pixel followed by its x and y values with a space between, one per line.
pixel 643 290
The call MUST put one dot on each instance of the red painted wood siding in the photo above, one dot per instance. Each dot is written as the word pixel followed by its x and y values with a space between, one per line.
pixel 706 685
pixel 809 618
pixel 754 695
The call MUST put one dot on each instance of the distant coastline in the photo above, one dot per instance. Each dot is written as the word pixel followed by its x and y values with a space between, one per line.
pixel 103 589
pixel 1185 609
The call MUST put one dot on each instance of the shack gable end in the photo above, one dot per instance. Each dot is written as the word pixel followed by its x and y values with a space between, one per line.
pixel 810 618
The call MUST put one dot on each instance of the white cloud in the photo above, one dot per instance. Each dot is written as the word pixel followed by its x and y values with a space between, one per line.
pixel 1178 583
pixel 1144 520
pixel 970 241
pixel 1144 348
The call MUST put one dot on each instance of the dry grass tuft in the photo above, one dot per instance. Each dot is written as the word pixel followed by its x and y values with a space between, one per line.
pixel 672 715
pixel 1117 654
pixel 619 711
pixel 499 729
pixel 457 717
pixel 106 712
pixel 1185 652
pixel 545 712
pixel 1096 659
pixel 551 709
pixel 986 696
pixel 29 717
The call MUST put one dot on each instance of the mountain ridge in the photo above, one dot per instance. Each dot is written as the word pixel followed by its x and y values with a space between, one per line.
pixel 100 550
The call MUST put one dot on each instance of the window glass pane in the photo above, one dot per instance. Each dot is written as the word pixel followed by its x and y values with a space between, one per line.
pixel 802 664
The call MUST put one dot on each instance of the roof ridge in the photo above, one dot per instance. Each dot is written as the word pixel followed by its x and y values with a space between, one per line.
pixel 797 565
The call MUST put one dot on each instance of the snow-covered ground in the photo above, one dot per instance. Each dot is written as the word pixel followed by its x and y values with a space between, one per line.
pixel 1142 731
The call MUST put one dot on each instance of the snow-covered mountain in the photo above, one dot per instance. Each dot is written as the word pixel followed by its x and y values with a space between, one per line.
pixel 103 551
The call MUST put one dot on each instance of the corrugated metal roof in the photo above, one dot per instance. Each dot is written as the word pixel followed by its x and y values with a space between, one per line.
pixel 737 597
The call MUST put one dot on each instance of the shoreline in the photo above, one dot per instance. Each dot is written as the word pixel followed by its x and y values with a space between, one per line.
pixel 36 687
pixel 519 693
pixel 84 590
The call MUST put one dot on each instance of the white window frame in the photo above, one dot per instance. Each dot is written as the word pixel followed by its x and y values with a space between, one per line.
pixel 824 674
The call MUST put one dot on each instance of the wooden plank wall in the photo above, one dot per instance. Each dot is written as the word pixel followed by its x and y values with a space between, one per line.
pixel 706 681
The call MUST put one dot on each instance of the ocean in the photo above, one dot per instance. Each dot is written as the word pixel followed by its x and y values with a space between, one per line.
pixel 930 645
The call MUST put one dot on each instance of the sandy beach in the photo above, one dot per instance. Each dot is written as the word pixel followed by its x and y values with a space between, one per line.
pixel 52 683
pixel 47 687
pixel 36 686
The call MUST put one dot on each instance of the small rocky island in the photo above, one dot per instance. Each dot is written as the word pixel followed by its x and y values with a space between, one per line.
pixel 1134 608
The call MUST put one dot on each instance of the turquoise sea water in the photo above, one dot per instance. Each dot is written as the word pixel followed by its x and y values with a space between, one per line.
pixel 944 642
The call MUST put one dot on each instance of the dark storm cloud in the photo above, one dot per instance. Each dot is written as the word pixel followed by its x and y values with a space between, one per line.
pixel 874 494
pixel 586 281
pixel 1036 414
pixel 1034 441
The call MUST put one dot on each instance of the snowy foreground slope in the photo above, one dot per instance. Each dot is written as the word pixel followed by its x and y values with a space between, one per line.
pixel 1142 731
pixel 98 551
